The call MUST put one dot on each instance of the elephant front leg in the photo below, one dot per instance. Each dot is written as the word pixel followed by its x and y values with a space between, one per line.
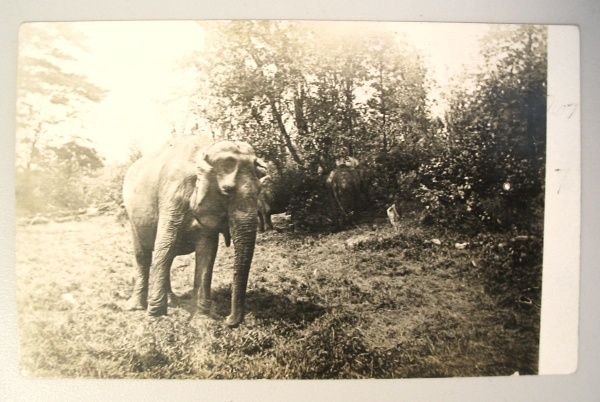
pixel 160 270
pixel 158 294
pixel 206 252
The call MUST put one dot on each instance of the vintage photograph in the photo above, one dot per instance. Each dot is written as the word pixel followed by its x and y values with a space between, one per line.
pixel 270 199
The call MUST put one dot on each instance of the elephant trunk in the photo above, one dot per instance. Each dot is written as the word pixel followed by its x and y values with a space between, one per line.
pixel 243 233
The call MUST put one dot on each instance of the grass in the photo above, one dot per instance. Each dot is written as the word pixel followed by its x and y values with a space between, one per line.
pixel 395 306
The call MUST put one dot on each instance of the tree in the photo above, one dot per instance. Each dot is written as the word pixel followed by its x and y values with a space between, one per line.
pixel 73 158
pixel 252 76
pixel 50 97
pixel 307 94
pixel 493 165
pixel 304 92
pixel 398 107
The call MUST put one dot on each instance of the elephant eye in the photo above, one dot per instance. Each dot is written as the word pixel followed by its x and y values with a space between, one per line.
pixel 228 164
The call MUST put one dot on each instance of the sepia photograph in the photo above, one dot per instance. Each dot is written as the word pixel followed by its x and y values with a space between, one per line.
pixel 274 199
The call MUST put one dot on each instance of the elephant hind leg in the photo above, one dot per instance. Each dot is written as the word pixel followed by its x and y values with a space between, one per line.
pixel 143 259
pixel 261 221
pixel 206 252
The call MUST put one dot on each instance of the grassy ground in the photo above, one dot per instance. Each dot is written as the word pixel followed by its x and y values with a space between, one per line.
pixel 400 306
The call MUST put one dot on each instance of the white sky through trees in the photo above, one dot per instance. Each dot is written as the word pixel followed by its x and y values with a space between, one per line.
pixel 140 65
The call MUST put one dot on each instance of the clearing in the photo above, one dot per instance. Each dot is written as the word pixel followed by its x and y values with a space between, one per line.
pixel 392 306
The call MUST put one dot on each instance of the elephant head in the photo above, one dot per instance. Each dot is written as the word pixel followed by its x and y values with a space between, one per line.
pixel 228 181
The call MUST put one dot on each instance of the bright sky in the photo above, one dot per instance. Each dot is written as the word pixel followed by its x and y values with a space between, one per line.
pixel 137 62
pixel 449 50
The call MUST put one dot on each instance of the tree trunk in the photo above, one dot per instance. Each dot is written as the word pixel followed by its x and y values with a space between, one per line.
pixel 347 91
pixel 27 182
pixel 276 113
pixel 301 122
pixel 284 134
pixel 383 111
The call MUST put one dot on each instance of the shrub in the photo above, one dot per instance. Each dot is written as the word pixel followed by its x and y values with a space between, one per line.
pixel 490 170
pixel 511 266
pixel 310 205
pixel 106 188
pixel 472 185
pixel 391 176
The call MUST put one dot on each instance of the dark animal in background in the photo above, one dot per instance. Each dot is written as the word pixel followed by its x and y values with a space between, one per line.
pixel 271 200
pixel 178 201
pixel 265 200
pixel 347 189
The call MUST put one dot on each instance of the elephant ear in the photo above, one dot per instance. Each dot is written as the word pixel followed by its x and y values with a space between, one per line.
pixel 203 172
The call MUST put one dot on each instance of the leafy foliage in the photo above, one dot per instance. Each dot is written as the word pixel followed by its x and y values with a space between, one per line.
pixel 512 268
pixel 491 169
pixel 310 206
pixel 307 94
pixel 52 96
pixel 59 182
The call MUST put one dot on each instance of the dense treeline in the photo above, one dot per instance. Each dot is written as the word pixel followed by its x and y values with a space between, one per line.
pixel 54 164
pixel 491 167
pixel 307 94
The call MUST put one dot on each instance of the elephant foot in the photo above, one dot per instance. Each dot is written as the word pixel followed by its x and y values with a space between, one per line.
pixel 173 299
pixel 204 307
pixel 135 303
pixel 234 320
pixel 158 309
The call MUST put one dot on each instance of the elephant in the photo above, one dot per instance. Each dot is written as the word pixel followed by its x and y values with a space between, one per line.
pixel 347 190
pixel 178 200
pixel 270 201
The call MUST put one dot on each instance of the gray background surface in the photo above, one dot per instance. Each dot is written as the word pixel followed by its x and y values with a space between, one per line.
pixel 580 386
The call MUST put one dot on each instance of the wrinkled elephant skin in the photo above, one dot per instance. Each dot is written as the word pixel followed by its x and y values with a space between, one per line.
pixel 178 201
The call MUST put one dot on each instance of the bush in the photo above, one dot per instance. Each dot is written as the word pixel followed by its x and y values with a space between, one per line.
pixel 472 185
pixel 106 188
pixel 309 203
pixel 306 198
pixel 512 268
pixel 46 192
pixel 391 176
